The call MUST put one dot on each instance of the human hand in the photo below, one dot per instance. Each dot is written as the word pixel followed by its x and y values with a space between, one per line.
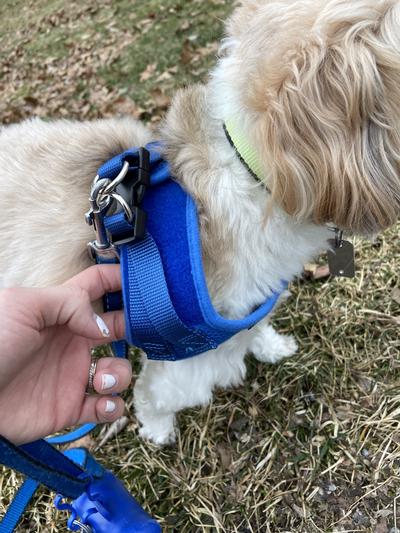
pixel 46 337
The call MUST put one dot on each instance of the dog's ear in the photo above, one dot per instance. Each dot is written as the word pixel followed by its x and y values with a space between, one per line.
pixel 328 116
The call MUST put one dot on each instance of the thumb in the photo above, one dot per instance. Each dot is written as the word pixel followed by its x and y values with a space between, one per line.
pixel 70 306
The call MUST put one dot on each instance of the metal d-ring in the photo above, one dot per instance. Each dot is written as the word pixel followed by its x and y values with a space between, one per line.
pixel 116 181
pixel 98 199
pixel 124 204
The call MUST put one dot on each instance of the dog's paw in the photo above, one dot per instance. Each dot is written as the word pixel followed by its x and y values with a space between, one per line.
pixel 157 436
pixel 268 346
pixel 158 428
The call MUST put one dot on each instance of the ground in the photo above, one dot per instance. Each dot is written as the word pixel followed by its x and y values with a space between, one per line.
pixel 309 445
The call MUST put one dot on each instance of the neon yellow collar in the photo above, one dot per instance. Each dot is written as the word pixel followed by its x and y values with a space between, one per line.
pixel 244 150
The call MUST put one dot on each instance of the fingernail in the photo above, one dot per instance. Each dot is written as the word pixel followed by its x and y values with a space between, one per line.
pixel 110 406
pixel 107 381
pixel 102 326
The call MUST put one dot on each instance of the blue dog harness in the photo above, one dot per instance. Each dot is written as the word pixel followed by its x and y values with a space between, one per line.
pixel 154 234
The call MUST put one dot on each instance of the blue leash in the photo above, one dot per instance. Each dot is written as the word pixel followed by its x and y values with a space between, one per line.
pixel 28 488
pixel 100 501
pixel 18 506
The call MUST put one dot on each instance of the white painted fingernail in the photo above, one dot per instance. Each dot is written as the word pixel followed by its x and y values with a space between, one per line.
pixel 107 381
pixel 102 326
pixel 110 406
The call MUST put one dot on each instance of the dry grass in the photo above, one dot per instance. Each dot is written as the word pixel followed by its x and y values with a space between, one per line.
pixel 309 445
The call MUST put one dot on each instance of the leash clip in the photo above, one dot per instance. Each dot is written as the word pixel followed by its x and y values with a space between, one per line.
pixel 107 507
pixel 128 194
pixel 99 205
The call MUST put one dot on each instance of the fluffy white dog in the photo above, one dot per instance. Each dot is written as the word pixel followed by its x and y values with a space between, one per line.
pixel 314 87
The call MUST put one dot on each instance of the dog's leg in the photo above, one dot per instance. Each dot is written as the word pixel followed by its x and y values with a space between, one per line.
pixel 268 346
pixel 154 404
pixel 164 388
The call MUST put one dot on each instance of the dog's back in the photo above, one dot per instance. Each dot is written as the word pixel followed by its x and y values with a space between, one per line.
pixel 47 169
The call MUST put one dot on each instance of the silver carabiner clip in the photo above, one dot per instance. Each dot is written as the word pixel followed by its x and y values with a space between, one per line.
pixel 102 194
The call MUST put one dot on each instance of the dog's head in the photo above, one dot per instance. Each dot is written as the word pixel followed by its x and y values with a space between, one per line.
pixel 318 82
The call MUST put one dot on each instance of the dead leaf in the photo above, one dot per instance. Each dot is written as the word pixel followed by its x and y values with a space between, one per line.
pixel 225 456
pixel 185 25
pixel 125 106
pixel 187 52
pixel 160 99
pixel 315 272
pixel 253 411
pixel 164 76
pixel 382 526
pixel 396 295
pixel 148 72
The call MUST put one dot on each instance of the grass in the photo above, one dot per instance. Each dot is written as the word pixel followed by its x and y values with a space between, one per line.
pixel 98 58
pixel 309 445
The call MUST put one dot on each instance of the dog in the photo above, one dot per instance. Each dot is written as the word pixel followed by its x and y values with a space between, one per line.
pixel 314 87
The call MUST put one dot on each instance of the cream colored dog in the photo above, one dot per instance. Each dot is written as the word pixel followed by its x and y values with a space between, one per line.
pixel 315 88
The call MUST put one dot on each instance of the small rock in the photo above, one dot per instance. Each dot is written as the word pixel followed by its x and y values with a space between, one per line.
pixel 330 488
pixel 360 519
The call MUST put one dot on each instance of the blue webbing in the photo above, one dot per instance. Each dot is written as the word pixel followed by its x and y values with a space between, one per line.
pixel 76 434
pixel 48 466
pixel 18 506
pixel 148 307
pixel 40 461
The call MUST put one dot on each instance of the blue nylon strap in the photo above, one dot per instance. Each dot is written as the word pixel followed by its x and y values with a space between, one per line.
pixel 42 462
pixel 112 301
pixel 79 456
pixel 148 307
pixel 18 506
pixel 76 434
pixel 42 452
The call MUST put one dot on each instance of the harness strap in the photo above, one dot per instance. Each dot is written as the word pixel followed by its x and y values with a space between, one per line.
pixel 109 170
pixel 148 307
pixel 112 301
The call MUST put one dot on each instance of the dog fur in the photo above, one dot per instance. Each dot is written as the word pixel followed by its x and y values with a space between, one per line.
pixel 315 85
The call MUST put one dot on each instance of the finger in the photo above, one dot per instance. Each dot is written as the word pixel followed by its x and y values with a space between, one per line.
pixel 101 409
pixel 112 375
pixel 97 280
pixel 115 324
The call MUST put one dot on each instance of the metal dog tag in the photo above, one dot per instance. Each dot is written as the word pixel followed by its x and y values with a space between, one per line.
pixel 341 258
